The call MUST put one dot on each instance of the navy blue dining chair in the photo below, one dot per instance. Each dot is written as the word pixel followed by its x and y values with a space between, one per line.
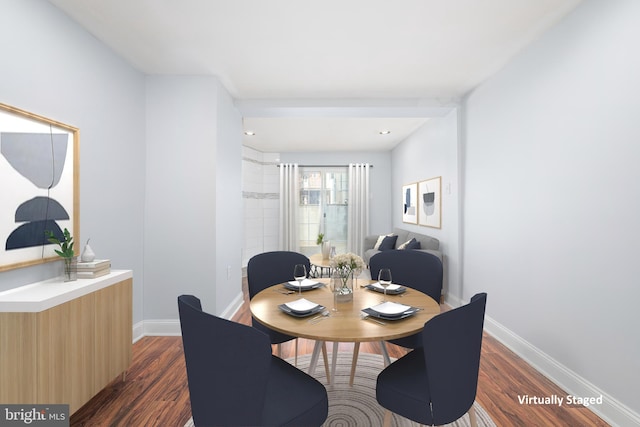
pixel 437 383
pixel 271 268
pixel 235 380
pixel 416 269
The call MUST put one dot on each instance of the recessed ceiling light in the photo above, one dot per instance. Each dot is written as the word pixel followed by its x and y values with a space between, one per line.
pixel 385 132
pixel 249 133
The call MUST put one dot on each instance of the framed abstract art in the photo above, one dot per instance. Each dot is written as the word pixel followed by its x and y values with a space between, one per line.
pixel 40 189
pixel 430 202
pixel 409 203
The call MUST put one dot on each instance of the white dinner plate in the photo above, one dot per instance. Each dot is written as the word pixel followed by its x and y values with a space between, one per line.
pixel 392 287
pixel 391 308
pixel 301 305
pixel 306 284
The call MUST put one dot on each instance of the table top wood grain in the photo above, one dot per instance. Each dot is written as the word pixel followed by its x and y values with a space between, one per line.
pixel 345 324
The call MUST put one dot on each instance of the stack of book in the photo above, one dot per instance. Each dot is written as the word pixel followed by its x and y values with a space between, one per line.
pixel 95 268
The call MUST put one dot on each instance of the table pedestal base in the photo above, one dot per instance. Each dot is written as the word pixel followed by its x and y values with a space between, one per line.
pixel 334 357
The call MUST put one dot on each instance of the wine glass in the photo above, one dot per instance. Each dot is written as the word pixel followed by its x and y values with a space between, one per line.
pixel 300 273
pixel 384 278
pixel 335 283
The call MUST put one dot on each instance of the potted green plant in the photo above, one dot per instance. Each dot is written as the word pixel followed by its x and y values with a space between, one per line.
pixel 65 252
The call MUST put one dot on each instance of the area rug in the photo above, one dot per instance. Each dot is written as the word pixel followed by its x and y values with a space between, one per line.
pixel 357 405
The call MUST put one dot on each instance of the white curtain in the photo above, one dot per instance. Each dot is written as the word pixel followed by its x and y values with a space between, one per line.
pixel 289 205
pixel 358 211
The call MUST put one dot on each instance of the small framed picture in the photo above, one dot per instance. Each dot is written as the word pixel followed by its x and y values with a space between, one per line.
pixel 430 202
pixel 410 203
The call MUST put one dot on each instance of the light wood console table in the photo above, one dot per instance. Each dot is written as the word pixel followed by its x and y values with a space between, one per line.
pixel 63 342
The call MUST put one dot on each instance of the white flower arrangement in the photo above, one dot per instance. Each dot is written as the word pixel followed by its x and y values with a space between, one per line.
pixel 345 265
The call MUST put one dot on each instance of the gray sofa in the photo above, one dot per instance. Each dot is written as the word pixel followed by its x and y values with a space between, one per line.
pixel 427 243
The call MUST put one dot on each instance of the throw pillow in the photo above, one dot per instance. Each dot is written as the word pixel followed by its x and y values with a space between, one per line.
pixel 414 244
pixel 388 243
pixel 406 244
pixel 380 240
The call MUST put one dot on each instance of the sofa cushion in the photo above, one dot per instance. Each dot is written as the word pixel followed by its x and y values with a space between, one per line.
pixel 413 244
pixel 388 243
pixel 404 245
pixel 426 242
pixel 403 235
pixel 368 254
pixel 381 238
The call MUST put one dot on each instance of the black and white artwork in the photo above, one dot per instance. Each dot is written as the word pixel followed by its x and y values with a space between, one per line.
pixel 429 202
pixel 38 169
pixel 410 203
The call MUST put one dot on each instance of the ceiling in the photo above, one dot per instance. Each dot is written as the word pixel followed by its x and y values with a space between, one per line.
pixel 354 67
pixel 329 134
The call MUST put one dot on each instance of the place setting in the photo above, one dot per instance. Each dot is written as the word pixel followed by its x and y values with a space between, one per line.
pixel 385 285
pixel 301 282
pixel 301 308
pixel 391 289
pixel 304 285
pixel 390 310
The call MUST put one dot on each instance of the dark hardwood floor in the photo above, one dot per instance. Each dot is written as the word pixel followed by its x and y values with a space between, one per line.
pixel 155 391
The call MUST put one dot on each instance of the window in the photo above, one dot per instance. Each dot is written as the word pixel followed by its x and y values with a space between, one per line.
pixel 323 207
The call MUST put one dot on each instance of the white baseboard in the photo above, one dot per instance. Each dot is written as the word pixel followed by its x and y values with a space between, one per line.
pixel 452 301
pixel 160 327
pixel 171 327
pixel 611 410
pixel 138 331
pixel 233 308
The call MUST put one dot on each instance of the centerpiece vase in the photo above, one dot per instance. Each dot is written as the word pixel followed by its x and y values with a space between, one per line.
pixel 70 269
pixel 325 247
pixel 343 283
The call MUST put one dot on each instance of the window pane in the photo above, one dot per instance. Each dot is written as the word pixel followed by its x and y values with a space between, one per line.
pixel 323 208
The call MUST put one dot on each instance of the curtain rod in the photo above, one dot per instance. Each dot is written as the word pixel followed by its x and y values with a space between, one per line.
pixel 324 166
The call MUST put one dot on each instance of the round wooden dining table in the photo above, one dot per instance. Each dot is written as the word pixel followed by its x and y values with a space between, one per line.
pixel 344 322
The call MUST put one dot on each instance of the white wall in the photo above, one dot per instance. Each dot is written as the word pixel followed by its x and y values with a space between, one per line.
pixel 193 194
pixel 52 67
pixel 429 152
pixel 180 139
pixel 260 195
pixel 229 206
pixel 552 199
